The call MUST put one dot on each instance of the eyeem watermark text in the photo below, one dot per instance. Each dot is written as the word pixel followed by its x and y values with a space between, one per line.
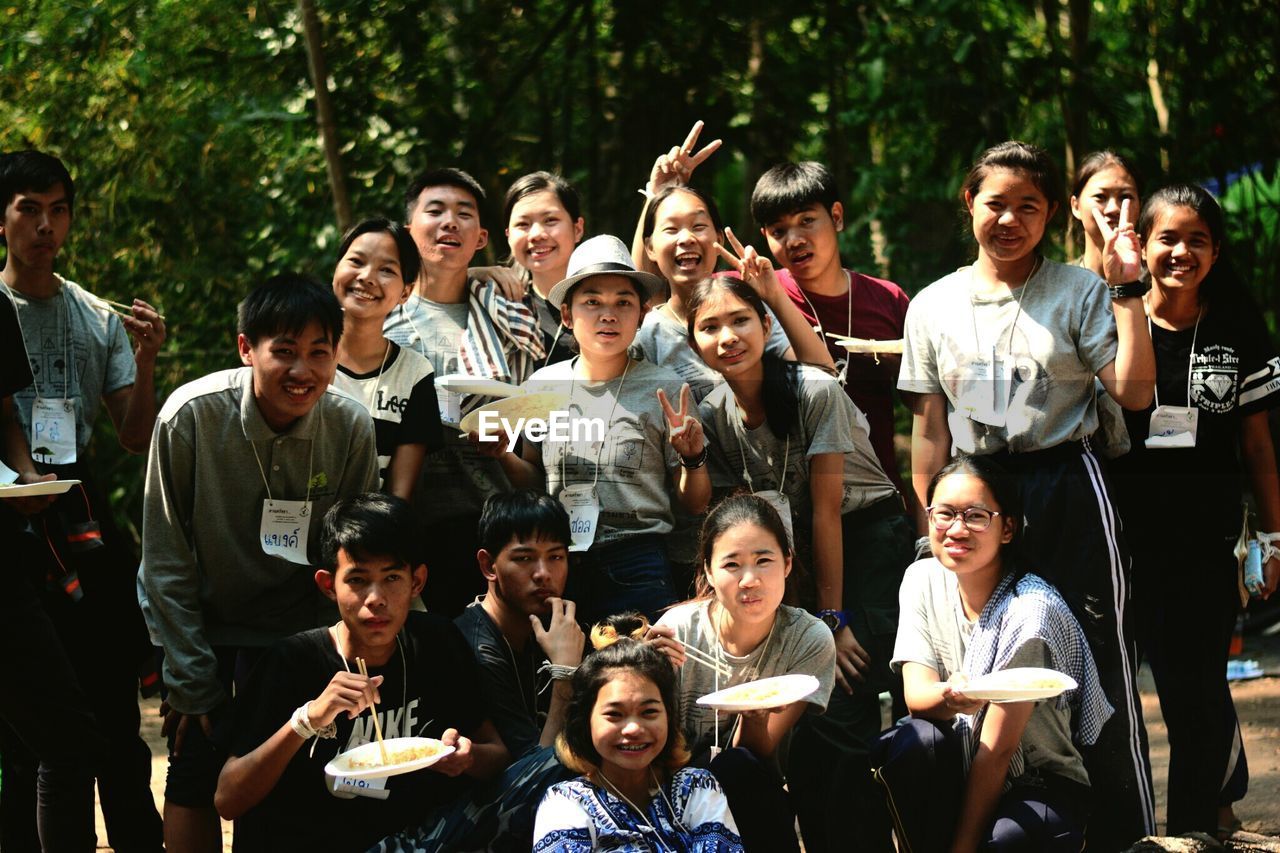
pixel 560 426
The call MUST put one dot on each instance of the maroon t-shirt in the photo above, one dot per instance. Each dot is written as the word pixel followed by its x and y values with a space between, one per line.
pixel 879 313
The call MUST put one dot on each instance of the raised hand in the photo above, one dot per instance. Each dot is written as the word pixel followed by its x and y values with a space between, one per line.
pixel 663 638
pixel 676 166
pixel 755 269
pixel 348 692
pixel 147 327
pixel 562 640
pixel 684 430
pixel 1121 252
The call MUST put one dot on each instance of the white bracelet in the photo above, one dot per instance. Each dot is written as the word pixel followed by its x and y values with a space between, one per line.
pixel 1267 545
pixel 300 722
pixel 558 672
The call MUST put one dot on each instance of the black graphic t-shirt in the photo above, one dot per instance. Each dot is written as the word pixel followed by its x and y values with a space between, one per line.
pixel 1234 372
pixel 431 684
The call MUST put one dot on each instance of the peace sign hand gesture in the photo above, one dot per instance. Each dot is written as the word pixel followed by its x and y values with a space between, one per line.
pixel 755 269
pixel 684 430
pixel 1121 253
pixel 676 166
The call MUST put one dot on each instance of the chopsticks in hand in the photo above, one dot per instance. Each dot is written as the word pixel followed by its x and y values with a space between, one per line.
pixel 373 709
pixel 705 659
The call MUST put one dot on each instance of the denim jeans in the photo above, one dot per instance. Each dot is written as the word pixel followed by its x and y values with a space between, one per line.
pixel 631 574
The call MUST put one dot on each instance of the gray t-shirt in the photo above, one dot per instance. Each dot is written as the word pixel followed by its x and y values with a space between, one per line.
pixel 828 422
pixel 455 480
pixel 800 644
pixel 77 350
pixel 631 467
pixel 934 631
pixel 1055 333
pixel 664 340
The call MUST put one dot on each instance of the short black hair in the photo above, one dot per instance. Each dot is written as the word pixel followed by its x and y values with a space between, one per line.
pixel 370 525
pixel 410 257
pixel 1004 487
pixel 23 171
pixel 522 514
pixel 285 304
pixel 788 187
pixel 447 177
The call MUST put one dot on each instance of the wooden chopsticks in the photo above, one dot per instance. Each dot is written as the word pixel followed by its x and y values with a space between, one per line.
pixel 705 659
pixel 373 709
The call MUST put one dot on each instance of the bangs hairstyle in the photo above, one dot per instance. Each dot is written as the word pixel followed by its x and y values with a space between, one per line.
pixel 33 171
pixel 619 647
pixel 651 212
pixel 285 304
pixel 448 177
pixel 520 516
pixel 1004 487
pixel 1031 161
pixel 537 182
pixel 368 526
pixel 410 259
pixel 1221 281
pixel 780 387
pixel 741 508
pixel 788 187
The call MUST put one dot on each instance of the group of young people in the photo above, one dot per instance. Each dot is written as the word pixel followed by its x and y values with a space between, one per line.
pixel 321 507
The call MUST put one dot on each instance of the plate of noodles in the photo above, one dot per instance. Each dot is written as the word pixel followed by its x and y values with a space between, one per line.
pixel 762 694
pixel 1018 684
pixel 461 383
pixel 32 490
pixel 537 404
pixel 404 755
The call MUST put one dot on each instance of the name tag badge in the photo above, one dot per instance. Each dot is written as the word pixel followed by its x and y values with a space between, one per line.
pixel 782 504
pixel 1173 426
pixel 450 405
pixel 985 386
pixel 346 787
pixel 284 529
pixel 53 431
pixel 583 506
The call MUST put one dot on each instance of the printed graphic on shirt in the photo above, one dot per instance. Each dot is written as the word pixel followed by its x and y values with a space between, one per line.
pixel 1213 378
pixel 1262 383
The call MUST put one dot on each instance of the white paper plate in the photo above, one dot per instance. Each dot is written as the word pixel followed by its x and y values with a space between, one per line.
pixel 1020 684
pixel 34 490
pixel 762 694
pixel 461 383
pixel 539 404
pixel 869 346
pixel 369 754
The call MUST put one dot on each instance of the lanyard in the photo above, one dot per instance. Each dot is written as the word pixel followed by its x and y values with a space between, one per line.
pixel 377 383
pixel 404 673
pixel 311 459
pixel 848 330
pixel 608 429
pixel 751 673
pixel 1026 292
pixel 1191 359
pixel 746 475
pixel 68 367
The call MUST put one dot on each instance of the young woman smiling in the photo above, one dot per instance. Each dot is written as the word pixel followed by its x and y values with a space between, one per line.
pixel 1217 375
pixel 1001 357
pixel 963 774
pixel 377 267
pixel 789 433
pixel 622 733
pixel 738 619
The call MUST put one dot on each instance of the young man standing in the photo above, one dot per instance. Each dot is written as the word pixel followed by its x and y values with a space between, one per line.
pixel 243 465
pixel 462 326
pixel 523 632
pixel 81 360
pixel 422 682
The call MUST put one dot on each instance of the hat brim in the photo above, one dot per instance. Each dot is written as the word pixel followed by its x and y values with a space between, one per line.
pixel 647 283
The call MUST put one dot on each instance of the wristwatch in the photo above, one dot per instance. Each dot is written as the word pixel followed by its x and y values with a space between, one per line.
pixel 833 619
pixel 1128 289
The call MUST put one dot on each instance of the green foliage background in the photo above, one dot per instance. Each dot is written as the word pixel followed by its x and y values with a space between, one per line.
pixel 190 125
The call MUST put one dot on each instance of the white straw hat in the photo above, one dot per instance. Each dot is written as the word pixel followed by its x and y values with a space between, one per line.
pixel 603 255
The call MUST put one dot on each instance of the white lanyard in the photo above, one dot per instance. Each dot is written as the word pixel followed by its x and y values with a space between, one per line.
pixel 404 674
pixel 1191 359
pixel 1026 292
pixel 721 659
pixel 377 383
pixel 656 843
pixel 608 429
pixel 310 460
pixel 746 475
pixel 842 364
pixel 68 367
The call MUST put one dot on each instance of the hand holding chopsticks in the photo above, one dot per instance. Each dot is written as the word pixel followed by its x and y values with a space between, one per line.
pixel 141 320
pixel 664 639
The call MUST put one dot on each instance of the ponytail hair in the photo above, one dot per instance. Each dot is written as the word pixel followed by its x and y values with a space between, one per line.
pixel 1222 282
pixel 618 646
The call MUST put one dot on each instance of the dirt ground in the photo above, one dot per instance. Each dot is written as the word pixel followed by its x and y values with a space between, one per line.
pixel 1257 702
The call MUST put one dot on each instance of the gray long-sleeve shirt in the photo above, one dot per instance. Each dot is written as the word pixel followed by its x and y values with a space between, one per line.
pixel 205 580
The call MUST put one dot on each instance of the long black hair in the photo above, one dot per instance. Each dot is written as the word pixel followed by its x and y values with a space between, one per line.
pixel 781 387
pixel 1222 282
pixel 738 508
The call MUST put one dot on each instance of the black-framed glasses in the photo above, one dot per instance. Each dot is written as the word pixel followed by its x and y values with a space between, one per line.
pixel 975 518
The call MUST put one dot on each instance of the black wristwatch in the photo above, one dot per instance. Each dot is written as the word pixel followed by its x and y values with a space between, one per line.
pixel 1128 289
pixel 833 619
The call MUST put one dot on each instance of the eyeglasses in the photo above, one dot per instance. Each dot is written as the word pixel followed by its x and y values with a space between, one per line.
pixel 975 518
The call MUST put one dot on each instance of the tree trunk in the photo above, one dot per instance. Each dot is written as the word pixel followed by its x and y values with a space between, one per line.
pixel 324 113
